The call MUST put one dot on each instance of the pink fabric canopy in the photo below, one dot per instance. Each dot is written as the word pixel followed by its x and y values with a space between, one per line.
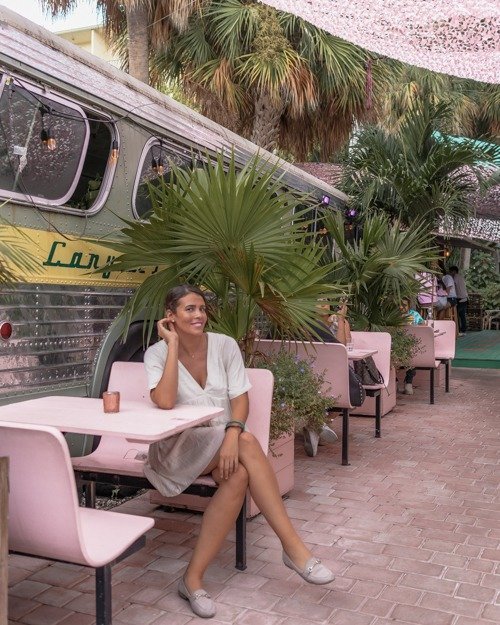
pixel 457 37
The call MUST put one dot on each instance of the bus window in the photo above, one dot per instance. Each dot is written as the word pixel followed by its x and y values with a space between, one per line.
pixel 94 167
pixel 156 162
pixel 42 143
pixel 74 173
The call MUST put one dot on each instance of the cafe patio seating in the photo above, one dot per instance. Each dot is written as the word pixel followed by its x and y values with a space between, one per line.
pixel 119 462
pixel 444 346
pixel 381 341
pixel 330 359
pixel 45 519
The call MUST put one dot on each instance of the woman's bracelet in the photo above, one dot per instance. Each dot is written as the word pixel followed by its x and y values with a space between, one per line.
pixel 238 424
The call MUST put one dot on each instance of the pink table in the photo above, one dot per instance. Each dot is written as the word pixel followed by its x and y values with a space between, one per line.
pixel 137 421
pixel 359 354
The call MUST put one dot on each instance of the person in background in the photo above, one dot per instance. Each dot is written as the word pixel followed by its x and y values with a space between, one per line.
pixel 442 299
pixel 449 285
pixel 412 318
pixel 462 298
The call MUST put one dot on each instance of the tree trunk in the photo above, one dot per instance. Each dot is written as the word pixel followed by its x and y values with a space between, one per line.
pixel 138 39
pixel 267 114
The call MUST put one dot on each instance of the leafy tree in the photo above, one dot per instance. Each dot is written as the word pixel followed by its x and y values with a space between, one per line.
pixel 380 267
pixel 271 76
pixel 235 233
pixel 415 174
pixel 138 24
pixel 474 107
pixel 483 278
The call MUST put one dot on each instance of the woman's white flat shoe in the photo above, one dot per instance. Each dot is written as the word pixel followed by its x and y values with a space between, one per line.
pixel 314 572
pixel 200 601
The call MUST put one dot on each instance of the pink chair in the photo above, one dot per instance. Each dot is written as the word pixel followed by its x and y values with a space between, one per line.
pixel 381 341
pixel 330 359
pixel 425 358
pixel 45 519
pixel 444 346
pixel 116 461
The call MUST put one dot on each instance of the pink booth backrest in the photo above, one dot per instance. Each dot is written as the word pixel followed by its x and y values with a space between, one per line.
pixel 329 359
pixel 381 341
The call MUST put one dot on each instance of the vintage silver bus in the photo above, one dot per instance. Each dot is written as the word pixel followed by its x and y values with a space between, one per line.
pixel 78 139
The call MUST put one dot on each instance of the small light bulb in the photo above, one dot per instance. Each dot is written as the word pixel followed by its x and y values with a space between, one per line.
pixel 113 157
pixel 48 140
pixel 154 165
pixel 160 169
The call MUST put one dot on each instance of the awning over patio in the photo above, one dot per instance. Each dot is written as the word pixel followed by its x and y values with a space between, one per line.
pixel 457 37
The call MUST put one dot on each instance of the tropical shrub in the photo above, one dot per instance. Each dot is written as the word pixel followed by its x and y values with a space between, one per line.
pixel 415 173
pixel 404 347
pixel 298 400
pixel 483 278
pixel 380 268
pixel 239 235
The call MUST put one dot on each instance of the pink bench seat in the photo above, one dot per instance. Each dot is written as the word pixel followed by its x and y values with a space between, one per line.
pixel 45 519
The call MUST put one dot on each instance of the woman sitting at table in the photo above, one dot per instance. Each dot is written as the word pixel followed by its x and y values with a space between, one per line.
pixel 191 366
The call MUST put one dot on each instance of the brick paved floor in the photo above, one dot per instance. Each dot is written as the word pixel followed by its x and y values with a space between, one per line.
pixel 411 527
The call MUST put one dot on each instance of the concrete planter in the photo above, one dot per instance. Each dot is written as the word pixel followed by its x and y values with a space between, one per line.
pixel 282 462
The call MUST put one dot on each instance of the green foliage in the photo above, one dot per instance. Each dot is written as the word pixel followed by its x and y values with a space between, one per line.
pixel 236 234
pixel 483 278
pixel 415 174
pixel 404 347
pixel 297 399
pixel 235 53
pixel 491 296
pixel 380 268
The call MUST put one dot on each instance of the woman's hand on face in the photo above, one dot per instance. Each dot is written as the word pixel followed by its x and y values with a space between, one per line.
pixel 167 332
pixel 228 454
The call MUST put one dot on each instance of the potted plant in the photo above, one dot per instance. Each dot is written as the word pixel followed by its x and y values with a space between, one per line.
pixel 239 235
pixel 298 400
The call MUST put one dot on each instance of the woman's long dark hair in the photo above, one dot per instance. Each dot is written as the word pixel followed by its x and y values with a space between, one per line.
pixel 178 292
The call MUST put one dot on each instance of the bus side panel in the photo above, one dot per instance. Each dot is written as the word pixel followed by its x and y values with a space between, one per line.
pixel 57 331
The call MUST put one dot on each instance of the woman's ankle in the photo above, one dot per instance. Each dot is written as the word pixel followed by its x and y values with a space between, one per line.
pixel 193 580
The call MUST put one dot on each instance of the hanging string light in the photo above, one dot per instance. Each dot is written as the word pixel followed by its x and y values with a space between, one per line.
pixel 47 135
pixel 115 151
pixel 157 164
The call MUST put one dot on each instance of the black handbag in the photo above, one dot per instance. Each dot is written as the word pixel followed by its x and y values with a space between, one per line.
pixel 357 393
pixel 367 371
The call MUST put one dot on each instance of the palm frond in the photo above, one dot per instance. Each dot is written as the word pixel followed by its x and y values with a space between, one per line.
pixel 237 234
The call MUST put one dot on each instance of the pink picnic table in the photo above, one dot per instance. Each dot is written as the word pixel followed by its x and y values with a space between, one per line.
pixel 137 421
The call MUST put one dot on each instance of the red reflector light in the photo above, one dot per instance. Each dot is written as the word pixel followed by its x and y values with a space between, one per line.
pixel 5 330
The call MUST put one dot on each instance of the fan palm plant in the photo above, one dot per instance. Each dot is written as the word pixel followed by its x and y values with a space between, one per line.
pixel 239 235
pixel 380 268
pixel 416 174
